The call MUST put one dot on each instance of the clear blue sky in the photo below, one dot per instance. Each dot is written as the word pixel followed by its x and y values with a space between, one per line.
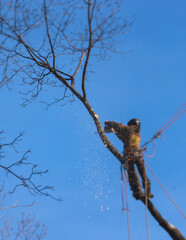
pixel 148 83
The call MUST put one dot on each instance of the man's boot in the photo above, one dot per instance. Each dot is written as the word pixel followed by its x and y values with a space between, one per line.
pixel 138 195
pixel 150 195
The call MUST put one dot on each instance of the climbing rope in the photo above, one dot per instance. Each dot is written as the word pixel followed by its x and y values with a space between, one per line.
pixel 150 156
pixel 165 190
pixel 127 208
pixel 172 120
pixel 125 179
pixel 146 209
pixel 122 194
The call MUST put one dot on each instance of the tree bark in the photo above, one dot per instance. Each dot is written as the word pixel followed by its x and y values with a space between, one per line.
pixel 169 228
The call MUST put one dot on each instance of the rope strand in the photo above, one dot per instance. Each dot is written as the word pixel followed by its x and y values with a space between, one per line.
pixel 167 126
pixel 151 156
pixel 165 190
pixel 172 117
pixel 146 209
pixel 126 194
pixel 122 194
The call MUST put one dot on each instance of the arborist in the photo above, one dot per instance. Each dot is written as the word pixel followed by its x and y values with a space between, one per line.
pixel 130 136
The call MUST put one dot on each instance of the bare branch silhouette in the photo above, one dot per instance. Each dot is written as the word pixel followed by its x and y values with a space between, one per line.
pixel 70 34
pixel 23 170
pixel 26 228
pixel 16 204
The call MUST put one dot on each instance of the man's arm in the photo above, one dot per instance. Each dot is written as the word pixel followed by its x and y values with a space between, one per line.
pixel 111 126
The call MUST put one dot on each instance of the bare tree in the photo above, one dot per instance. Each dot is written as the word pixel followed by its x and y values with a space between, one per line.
pixel 23 170
pixel 24 229
pixel 71 33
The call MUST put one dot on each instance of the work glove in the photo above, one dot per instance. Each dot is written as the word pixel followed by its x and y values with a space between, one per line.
pixel 107 128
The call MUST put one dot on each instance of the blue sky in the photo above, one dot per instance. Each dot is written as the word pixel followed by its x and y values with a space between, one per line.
pixel 148 83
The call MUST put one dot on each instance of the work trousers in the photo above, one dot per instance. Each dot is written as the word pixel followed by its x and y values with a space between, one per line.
pixel 134 156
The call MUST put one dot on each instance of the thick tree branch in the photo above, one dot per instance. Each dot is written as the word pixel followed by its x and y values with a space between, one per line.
pixel 169 228
pixel 101 133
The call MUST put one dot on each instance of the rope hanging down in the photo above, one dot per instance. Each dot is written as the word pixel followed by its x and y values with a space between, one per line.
pixel 124 179
pixel 146 209
pixel 126 194
pixel 122 194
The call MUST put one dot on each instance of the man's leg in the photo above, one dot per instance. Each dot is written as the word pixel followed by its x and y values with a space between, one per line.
pixel 134 180
pixel 145 180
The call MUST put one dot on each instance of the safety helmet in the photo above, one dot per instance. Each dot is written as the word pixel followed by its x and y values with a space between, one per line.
pixel 134 122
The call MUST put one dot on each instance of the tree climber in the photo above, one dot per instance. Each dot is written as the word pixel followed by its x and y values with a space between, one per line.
pixel 130 136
